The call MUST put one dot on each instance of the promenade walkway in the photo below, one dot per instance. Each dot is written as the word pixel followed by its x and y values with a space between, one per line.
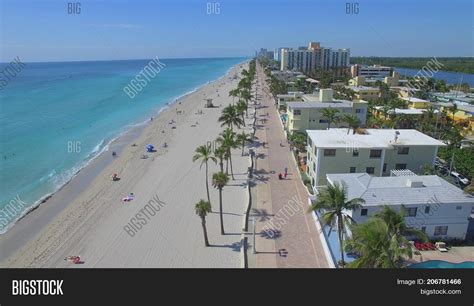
pixel 287 236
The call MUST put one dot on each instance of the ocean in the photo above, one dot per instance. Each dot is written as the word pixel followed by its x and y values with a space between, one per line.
pixel 56 117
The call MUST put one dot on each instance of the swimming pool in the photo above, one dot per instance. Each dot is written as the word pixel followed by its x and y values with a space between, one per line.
pixel 440 264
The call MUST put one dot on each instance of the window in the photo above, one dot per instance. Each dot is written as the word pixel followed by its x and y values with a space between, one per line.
pixel 400 166
pixel 355 152
pixel 427 210
pixel 370 170
pixel 403 150
pixel 375 153
pixel 411 212
pixel 352 169
pixel 297 112
pixel 323 121
pixel 363 212
pixel 423 229
pixel 359 110
pixel 440 230
pixel 458 207
pixel 384 168
pixel 329 152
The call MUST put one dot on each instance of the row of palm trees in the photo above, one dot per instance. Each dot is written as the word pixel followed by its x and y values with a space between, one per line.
pixel 380 242
pixel 332 115
pixel 232 118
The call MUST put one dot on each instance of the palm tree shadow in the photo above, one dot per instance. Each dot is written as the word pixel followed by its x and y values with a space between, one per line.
pixel 261 214
pixel 234 246
pixel 270 234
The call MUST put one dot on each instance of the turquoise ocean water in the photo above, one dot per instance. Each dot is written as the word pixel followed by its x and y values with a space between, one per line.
pixel 56 117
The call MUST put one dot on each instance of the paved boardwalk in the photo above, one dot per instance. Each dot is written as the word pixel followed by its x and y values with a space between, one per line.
pixel 287 234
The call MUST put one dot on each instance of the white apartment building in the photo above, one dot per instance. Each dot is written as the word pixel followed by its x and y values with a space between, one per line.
pixel 312 58
pixel 431 204
pixel 374 151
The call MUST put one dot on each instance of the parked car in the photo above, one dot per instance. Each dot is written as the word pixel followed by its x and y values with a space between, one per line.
pixel 461 178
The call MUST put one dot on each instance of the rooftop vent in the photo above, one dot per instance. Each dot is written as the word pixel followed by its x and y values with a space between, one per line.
pixel 414 184
pixel 397 133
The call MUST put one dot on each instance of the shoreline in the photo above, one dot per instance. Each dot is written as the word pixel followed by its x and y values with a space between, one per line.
pixel 38 216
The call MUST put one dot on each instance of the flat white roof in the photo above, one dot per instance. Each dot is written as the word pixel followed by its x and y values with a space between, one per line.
pixel 359 88
pixel 336 103
pixel 405 111
pixel 374 138
pixel 413 99
pixel 396 190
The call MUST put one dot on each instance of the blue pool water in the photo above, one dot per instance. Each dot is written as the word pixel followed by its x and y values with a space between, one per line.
pixel 440 264
pixel 49 108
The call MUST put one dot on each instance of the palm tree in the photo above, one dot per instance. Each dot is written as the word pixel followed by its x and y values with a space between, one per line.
pixel 397 226
pixel 219 180
pixel 330 114
pixel 383 243
pixel 234 93
pixel 298 139
pixel 230 117
pixel 227 141
pixel 221 153
pixel 204 153
pixel 352 121
pixel 202 208
pixel 376 246
pixel 243 138
pixel 241 108
pixel 246 95
pixel 333 204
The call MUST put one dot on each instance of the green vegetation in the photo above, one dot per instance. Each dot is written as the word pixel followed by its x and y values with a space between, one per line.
pixel 219 180
pixel 381 241
pixel 457 64
pixel 463 159
pixel 333 205
pixel 204 154
pixel 202 208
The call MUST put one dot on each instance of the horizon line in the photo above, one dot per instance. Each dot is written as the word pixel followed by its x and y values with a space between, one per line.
pixel 132 59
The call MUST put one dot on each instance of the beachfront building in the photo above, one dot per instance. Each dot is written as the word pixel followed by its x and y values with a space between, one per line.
pixel 403 91
pixel 416 103
pixel 287 76
pixel 372 72
pixel 374 151
pixel 463 117
pixel 282 99
pixel 414 113
pixel 431 204
pixel 313 58
pixel 277 54
pixel 391 80
pixel 365 92
pixel 307 114
pixel 454 96
pixel 264 53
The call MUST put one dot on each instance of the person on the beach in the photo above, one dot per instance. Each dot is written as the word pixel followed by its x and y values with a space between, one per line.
pixel 280 177
pixel 286 171
pixel 114 153
pixel 73 259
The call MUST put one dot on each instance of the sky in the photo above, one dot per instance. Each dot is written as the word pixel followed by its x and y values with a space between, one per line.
pixel 43 30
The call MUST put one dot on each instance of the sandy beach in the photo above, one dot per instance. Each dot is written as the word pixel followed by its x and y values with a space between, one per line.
pixel 90 223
